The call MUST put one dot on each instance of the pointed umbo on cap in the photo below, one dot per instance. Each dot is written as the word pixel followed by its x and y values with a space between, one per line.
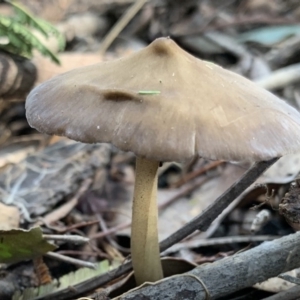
pixel 193 108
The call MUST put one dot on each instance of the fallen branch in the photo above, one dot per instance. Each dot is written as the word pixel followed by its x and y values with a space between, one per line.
pixel 227 275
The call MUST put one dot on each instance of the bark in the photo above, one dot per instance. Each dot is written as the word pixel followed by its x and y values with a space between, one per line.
pixel 227 275
pixel 17 76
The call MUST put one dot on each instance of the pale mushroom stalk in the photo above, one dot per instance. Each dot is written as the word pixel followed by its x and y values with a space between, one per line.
pixel 144 236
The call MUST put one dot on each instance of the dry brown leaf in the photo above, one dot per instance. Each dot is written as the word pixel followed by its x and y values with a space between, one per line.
pixel 9 217
pixel 54 139
pixel 69 61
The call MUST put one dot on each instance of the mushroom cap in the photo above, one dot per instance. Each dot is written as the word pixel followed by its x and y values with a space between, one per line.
pixel 201 109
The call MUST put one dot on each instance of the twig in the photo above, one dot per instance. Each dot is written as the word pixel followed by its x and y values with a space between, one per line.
pixel 109 231
pixel 244 20
pixel 219 241
pixel 76 226
pixel 290 278
pixel 198 172
pixel 121 24
pixel 108 236
pixel 76 239
pixel 83 253
pixel 92 245
pixel 280 78
pixel 281 55
pixel 215 224
pixel 70 260
pixel 239 21
pixel 27 138
pixel 182 192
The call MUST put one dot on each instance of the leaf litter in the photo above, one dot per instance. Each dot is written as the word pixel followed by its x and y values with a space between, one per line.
pixel 38 178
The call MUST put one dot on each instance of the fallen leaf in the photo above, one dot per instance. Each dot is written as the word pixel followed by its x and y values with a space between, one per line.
pixel 284 170
pixel 69 61
pixel 19 244
pixel 276 284
pixel 9 217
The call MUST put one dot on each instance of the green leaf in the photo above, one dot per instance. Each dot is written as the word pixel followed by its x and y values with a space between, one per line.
pixel 19 244
pixel 18 30
pixel 26 18
pixel 21 40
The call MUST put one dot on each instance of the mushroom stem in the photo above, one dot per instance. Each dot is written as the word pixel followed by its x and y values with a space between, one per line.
pixel 144 235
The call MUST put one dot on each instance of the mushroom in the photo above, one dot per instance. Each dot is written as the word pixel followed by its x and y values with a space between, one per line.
pixel 163 104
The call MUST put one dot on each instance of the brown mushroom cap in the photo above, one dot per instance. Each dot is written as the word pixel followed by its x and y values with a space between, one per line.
pixel 201 110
